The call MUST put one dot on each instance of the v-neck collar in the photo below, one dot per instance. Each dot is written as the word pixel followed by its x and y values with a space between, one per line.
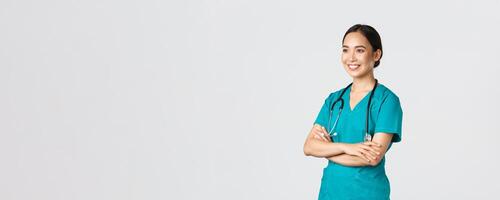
pixel 348 92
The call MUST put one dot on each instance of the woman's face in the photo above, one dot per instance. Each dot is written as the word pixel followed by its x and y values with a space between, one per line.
pixel 358 57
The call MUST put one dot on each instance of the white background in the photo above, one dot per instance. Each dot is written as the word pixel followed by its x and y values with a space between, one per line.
pixel 104 99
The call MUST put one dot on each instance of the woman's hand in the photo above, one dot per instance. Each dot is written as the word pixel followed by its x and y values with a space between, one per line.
pixel 321 133
pixel 370 151
pixel 319 145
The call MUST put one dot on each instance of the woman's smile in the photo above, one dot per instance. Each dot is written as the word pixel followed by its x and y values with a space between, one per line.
pixel 353 67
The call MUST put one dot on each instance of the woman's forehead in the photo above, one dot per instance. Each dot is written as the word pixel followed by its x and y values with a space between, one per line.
pixel 355 39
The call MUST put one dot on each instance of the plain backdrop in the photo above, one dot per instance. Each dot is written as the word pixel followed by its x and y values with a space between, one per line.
pixel 151 99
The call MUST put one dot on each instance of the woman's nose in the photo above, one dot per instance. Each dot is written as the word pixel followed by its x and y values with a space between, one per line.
pixel 353 57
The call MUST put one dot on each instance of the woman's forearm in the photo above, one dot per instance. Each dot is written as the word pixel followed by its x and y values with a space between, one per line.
pixel 322 149
pixel 349 160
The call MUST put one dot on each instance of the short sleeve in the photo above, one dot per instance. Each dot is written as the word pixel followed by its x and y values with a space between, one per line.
pixel 390 117
pixel 322 118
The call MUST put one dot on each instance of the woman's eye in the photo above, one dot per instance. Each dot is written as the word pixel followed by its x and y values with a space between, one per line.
pixel 360 50
pixel 344 50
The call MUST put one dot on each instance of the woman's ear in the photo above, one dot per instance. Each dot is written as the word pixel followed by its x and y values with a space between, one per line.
pixel 377 55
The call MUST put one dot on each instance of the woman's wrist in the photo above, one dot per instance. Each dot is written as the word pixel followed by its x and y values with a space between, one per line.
pixel 342 147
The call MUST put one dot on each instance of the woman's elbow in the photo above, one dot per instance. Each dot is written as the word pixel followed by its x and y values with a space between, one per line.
pixel 307 152
pixel 307 149
pixel 375 162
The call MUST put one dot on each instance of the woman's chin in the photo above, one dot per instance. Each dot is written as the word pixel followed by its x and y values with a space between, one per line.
pixel 353 73
pixel 357 74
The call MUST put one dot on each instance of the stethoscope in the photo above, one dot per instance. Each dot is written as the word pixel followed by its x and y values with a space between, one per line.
pixel 367 137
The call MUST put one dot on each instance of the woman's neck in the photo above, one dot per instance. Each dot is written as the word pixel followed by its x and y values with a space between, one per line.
pixel 363 84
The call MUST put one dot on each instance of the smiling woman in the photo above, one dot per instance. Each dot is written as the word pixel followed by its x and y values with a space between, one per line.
pixel 355 141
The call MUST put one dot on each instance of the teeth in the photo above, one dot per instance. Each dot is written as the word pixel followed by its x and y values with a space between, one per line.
pixel 353 67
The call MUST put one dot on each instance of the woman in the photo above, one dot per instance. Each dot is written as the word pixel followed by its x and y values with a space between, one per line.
pixel 357 124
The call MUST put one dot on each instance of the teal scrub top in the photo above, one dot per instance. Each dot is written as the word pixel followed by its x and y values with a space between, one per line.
pixel 367 182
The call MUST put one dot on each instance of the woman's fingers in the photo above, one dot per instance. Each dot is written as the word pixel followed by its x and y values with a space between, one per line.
pixel 327 137
pixel 372 150
pixel 358 150
pixel 317 128
pixel 364 156
pixel 320 131
pixel 320 135
pixel 326 134
pixel 363 151
pixel 368 155
pixel 369 152
pixel 370 143
pixel 375 146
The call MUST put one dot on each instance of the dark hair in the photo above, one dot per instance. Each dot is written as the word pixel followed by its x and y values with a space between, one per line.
pixel 371 35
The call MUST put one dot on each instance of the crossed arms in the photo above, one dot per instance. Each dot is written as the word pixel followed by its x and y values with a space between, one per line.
pixel 319 144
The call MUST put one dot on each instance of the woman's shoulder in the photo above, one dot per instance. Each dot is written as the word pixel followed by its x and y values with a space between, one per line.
pixel 334 95
pixel 384 92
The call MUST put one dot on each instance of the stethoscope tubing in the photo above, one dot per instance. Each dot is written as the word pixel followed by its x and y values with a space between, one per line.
pixel 339 99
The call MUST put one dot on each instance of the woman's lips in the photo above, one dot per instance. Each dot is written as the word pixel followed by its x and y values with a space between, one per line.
pixel 353 66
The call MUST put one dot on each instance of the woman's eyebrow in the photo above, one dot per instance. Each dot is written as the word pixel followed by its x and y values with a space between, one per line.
pixel 359 46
